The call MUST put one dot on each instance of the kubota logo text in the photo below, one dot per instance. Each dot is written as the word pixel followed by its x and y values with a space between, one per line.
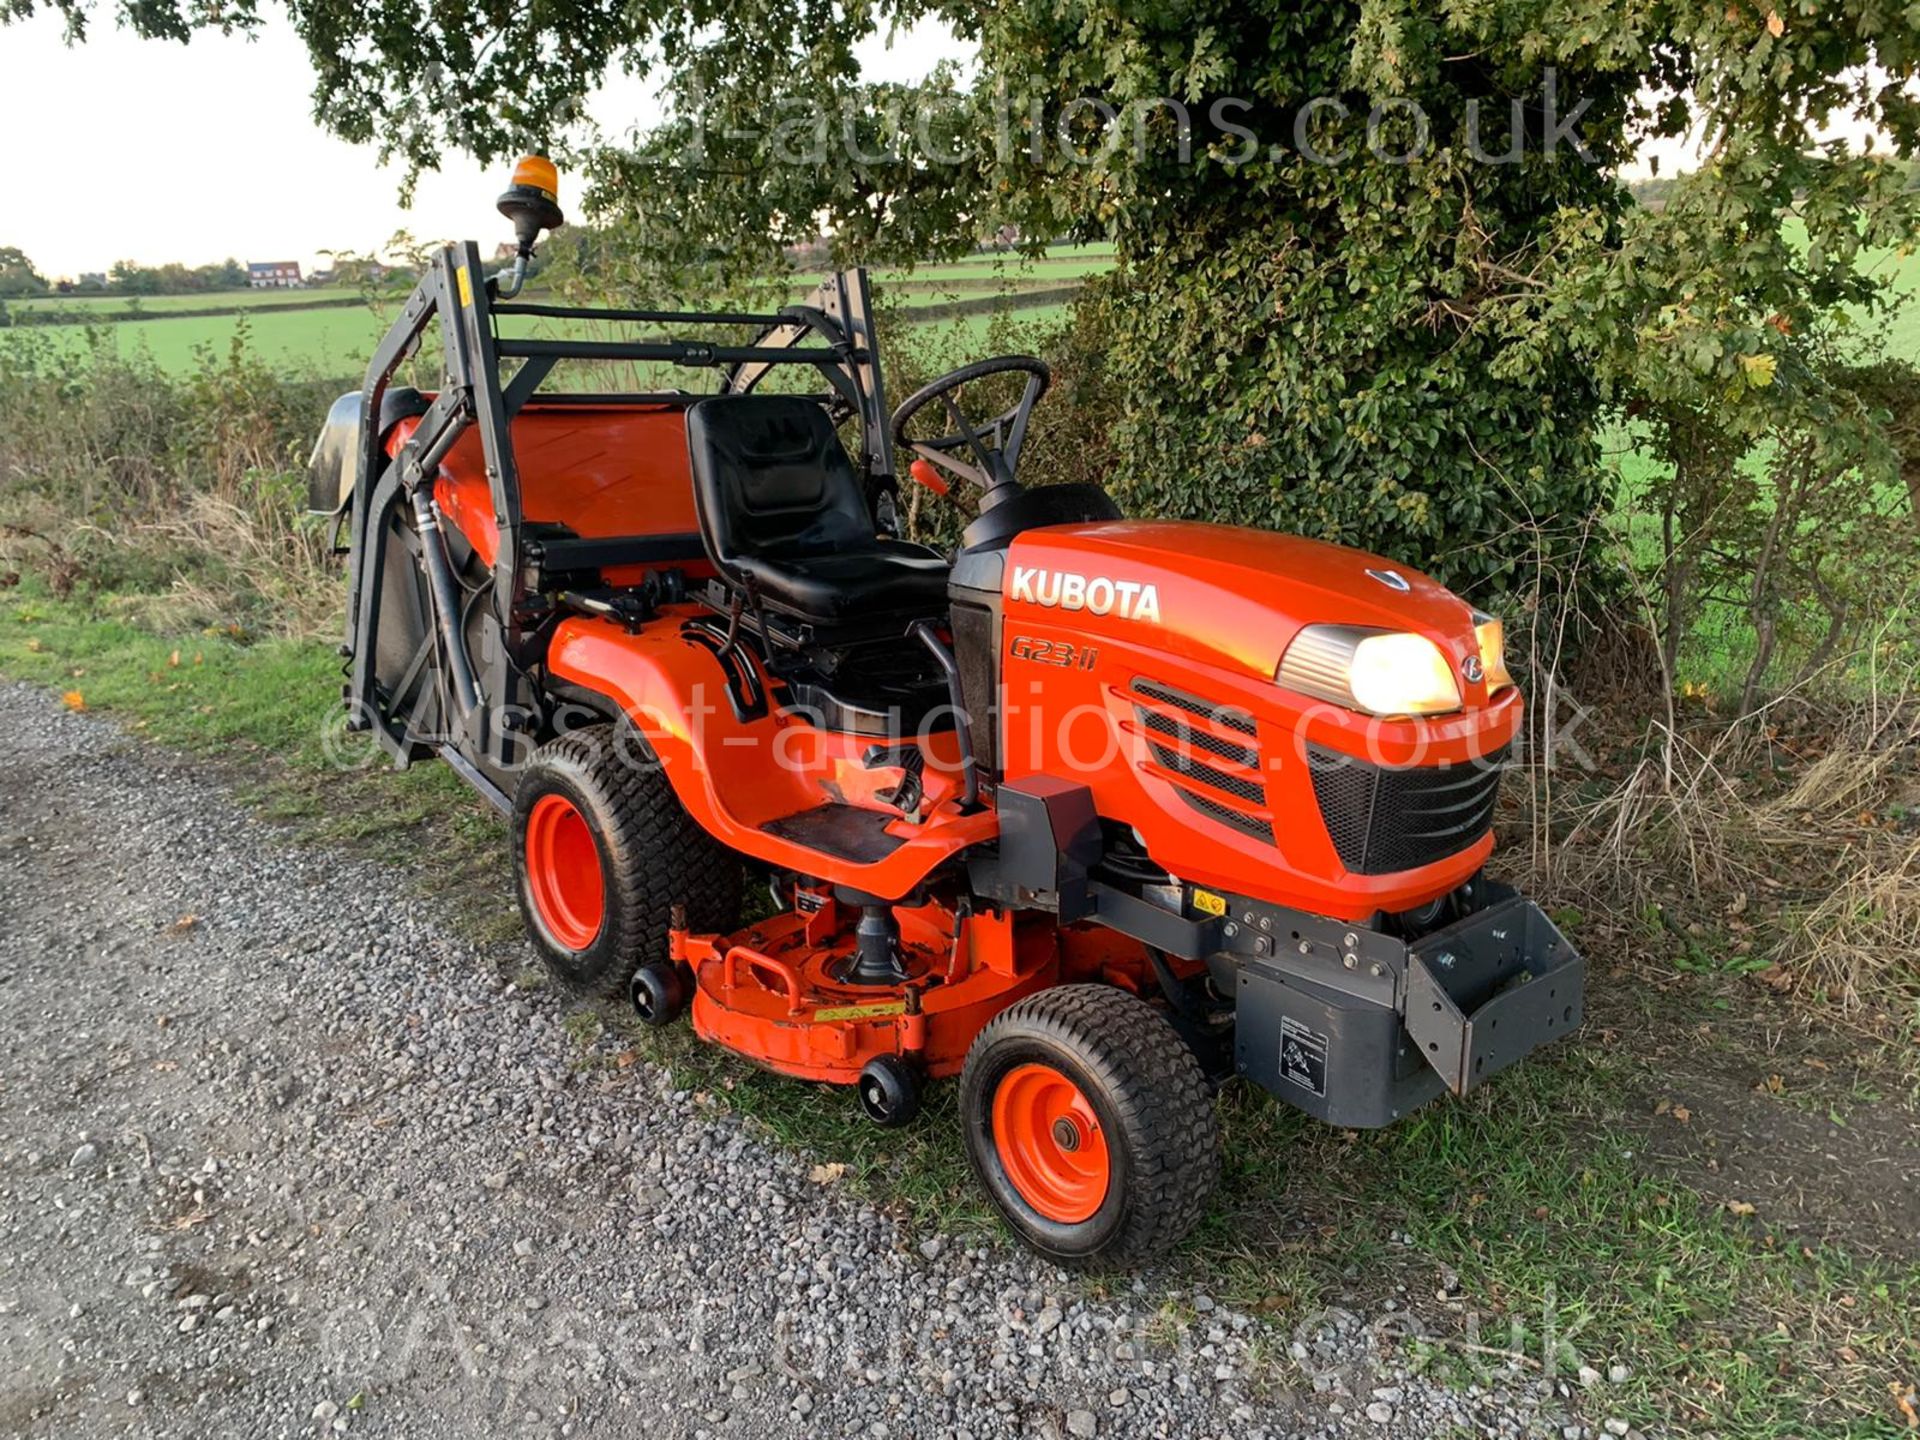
pixel 1129 599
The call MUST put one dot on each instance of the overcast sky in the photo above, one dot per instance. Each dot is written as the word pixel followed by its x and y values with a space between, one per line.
pixel 155 151
pixel 197 152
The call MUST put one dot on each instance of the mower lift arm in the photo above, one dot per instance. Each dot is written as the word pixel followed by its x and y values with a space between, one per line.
pixel 923 631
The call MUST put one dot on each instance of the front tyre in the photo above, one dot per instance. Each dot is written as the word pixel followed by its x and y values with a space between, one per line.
pixel 602 852
pixel 1090 1125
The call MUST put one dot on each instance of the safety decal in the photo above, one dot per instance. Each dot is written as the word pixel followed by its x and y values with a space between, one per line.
pixel 1303 1056
pixel 861 1012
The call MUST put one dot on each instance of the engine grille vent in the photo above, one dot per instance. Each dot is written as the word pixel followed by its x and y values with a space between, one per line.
pixel 1236 819
pixel 1250 791
pixel 1225 716
pixel 1383 820
pixel 1185 736
pixel 1185 750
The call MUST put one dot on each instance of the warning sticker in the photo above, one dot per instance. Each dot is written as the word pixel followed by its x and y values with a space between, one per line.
pixel 1303 1056
pixel 861 1012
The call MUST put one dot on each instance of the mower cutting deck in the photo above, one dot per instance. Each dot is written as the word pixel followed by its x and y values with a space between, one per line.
pixel 1092 813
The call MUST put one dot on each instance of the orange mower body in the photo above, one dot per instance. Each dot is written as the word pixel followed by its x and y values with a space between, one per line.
pixel 1090 814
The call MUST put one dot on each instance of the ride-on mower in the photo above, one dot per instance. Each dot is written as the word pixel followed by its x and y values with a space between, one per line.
pixel 1090 812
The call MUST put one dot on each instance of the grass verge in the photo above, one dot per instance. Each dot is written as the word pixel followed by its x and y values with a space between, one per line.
pixel 1520 1231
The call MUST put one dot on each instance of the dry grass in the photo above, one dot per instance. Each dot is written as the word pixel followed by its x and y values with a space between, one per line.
pixel 184 491
pixel 281 564
pixel 1858 943
pixel 1781 843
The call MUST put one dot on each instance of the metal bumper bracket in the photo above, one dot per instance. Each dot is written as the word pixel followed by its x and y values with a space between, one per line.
pixel 1490 989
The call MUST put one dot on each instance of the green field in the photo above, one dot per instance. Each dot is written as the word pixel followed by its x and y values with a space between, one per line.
pixel 1900 328
pixel 314 331
pixel 1057 267
pixel 111 306
pixel 336 340
pixel 284 328
pixel 1903 325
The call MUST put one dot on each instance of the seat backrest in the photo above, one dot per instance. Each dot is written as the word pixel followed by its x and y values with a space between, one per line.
pixel 772 481
pixel 612 470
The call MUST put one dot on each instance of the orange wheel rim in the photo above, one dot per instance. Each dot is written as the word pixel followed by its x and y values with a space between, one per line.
pixel 1050 1143
pixel 563 872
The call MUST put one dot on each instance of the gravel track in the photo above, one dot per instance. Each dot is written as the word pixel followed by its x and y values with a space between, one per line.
pixel 282 1155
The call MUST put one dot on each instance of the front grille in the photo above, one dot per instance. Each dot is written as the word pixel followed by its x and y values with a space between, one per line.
pixel 1177 747
pixel 1382 820
pixel 1185 736
pixel 1237 819
pixel 1225 716
pixel 1250 791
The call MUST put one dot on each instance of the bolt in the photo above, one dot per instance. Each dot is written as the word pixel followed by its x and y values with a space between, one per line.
pixel 1232 929
pixel 1266 922
pixel 1261 945
pixel 1352 941
pixel 1444 959
pixel 1376 970
pixel 1351 961
pixel 1305 948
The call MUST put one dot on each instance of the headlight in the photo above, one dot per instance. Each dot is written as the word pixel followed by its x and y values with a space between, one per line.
pixel 1383 672
pixel 1491 634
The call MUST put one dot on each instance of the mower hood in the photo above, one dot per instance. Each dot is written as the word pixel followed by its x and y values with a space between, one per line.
pixel 1221 595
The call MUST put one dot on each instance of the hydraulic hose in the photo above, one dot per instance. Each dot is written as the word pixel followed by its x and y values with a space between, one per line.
pixel 446 603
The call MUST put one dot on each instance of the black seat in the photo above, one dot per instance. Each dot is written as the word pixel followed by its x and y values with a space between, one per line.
pixel 783 513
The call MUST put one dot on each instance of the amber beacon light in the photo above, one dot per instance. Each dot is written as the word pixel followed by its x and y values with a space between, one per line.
pixel 532 203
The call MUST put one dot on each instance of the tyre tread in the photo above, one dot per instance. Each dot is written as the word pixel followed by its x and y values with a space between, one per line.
pixel 668 855
pixel 1160 1091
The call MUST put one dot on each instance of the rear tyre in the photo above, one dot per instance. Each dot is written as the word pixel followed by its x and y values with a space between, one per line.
pixel 602 851
pixel 1090 1125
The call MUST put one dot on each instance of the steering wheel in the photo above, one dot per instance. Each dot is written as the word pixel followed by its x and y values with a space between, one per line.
pixel 994 444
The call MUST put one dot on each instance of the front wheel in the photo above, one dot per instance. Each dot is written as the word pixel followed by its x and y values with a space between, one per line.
pixel 1090 1125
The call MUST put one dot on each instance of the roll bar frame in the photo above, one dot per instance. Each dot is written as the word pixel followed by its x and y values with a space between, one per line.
pixel 475 392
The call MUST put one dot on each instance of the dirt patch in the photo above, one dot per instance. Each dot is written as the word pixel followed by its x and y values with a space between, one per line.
pixel 1814 1137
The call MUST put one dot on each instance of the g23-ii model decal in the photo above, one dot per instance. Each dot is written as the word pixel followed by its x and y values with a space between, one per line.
pixel 1063 653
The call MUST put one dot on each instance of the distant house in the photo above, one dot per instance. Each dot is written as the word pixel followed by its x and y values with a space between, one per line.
pixel 273 274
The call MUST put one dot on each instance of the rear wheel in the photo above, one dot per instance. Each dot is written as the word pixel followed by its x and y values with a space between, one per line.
pixel 1090 1125
pixel 602 851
